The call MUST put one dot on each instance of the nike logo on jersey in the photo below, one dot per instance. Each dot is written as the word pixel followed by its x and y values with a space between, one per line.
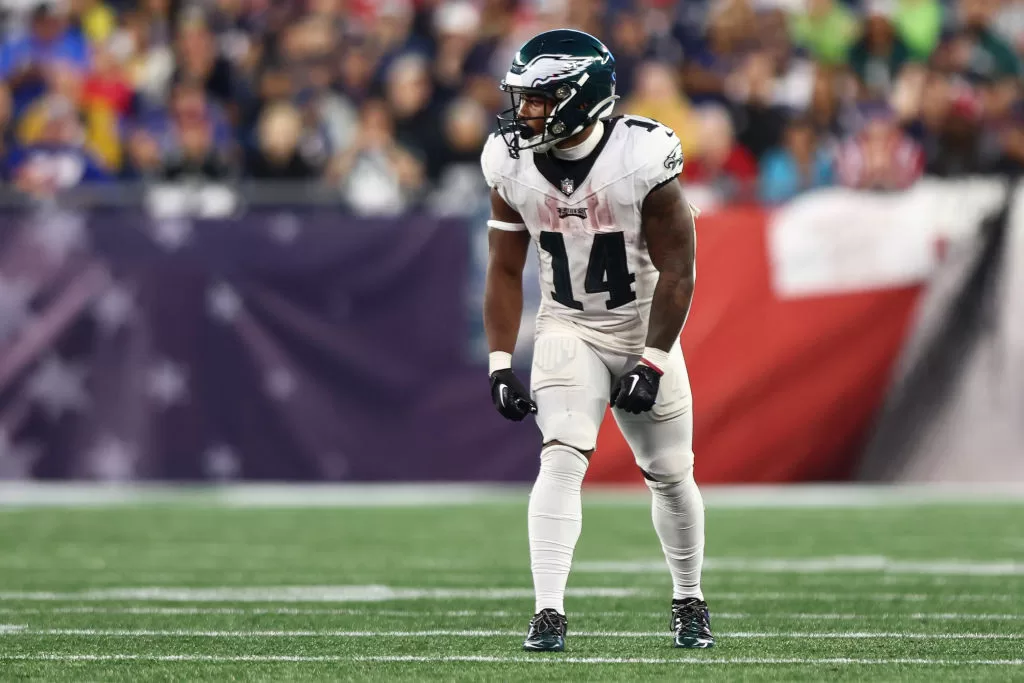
pixel 565 212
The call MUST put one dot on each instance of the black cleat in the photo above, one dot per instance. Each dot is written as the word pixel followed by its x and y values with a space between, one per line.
pixel 691 623
pixel 547 632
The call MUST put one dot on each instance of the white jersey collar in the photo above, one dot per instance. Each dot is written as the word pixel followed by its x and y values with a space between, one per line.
pixel 583 149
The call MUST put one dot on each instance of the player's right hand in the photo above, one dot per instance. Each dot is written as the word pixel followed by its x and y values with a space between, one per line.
pixel 510 396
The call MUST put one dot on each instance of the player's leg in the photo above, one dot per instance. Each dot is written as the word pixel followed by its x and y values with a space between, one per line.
pixel 569 383
pixel 662 443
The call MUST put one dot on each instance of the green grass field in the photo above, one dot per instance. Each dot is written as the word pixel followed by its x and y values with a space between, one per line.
pixel 379 584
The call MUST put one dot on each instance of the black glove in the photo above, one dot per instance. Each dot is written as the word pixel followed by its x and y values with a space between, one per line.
pixel 637 390
pixel 510 396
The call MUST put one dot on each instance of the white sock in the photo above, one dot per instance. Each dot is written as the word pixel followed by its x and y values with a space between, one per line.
pixel 677 510
pixel 555 522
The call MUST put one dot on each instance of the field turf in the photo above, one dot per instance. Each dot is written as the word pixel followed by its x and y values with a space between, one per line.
pixel 433 584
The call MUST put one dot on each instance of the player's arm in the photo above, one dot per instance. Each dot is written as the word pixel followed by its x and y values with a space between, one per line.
pixel 508 242
pixel 503 292
pixel 667 225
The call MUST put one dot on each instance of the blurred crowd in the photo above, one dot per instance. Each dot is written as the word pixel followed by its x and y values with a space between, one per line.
pixel 390 101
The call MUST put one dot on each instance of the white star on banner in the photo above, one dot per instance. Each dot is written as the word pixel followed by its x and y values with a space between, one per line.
pixel 15 296
pixel 58 387
pixel 222 302
pixel 112 459
pixel 285 228
pixel 280 383
pixel 58 232
pixel 221 462
pixel 172 233
pixel 16 459
pixel 114 308
pixel 167 383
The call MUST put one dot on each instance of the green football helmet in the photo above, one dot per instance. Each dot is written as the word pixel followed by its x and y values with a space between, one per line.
pixel 573 70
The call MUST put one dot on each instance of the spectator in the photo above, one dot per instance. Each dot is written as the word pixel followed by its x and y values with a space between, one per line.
pixel 629 42
pixel 975 50
pixel 721 163
pixel 801 164
pixel 456 177
pixel 55 159
pixel 24 61
pixel 659 97
pixel 148 65
pixel 376 174
pixel 879 56
pixel 826 30
pixel 356 69
pixel 97 20
pixel 196 158
pixel 730 37
pixel 415 113
pixel 277 156
pixel 752 89
pixel 107 85
pixel 488 60
pixel 97 121
pixel 880 156
pixel 456 24
pixel 955 142
pixel 919 25
pixel 827 108
pixel 791 73
pixel 189 114
pixel 198 61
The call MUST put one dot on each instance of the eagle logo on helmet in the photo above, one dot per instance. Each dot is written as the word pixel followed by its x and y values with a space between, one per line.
pixel 544 69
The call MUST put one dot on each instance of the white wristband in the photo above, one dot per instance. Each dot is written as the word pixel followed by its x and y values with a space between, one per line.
pixel 656 358
pixel 499 360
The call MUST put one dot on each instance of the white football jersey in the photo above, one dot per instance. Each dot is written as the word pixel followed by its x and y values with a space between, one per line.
pixel 595 273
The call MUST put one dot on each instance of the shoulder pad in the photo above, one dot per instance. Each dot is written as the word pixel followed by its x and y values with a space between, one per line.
pixel 656 152
pixel 495 160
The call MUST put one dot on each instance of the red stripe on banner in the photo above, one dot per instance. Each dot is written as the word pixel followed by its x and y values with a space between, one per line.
pixel 784 390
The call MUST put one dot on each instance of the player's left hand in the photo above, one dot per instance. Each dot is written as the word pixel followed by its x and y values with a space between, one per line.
pixel 637 391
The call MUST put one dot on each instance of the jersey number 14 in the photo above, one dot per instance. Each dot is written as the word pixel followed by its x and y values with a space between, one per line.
pixel 607 269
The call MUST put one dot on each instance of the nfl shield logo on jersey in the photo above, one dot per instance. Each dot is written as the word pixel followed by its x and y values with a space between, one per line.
pixel 567 186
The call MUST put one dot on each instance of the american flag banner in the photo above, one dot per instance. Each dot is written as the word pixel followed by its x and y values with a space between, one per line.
pixel 175 337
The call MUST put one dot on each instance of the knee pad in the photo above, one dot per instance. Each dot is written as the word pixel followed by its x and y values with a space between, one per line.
pixel 565 463
pixel 667 465
pixel 675 496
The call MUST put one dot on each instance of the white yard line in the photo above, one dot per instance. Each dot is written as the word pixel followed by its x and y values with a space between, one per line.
pixel 553 660
pixel 290 611
pixel 355 593
pixel 817 565
pixel 483 633
pixel 377 594
pixel 25 494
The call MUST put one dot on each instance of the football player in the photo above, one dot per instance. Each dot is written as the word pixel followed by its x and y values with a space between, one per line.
pixel 600 196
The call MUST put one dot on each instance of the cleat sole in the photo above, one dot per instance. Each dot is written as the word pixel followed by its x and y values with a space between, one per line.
pixel 696 644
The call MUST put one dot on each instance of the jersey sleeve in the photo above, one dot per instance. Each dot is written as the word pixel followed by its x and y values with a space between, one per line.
pixel 492 163
pixel 661 159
